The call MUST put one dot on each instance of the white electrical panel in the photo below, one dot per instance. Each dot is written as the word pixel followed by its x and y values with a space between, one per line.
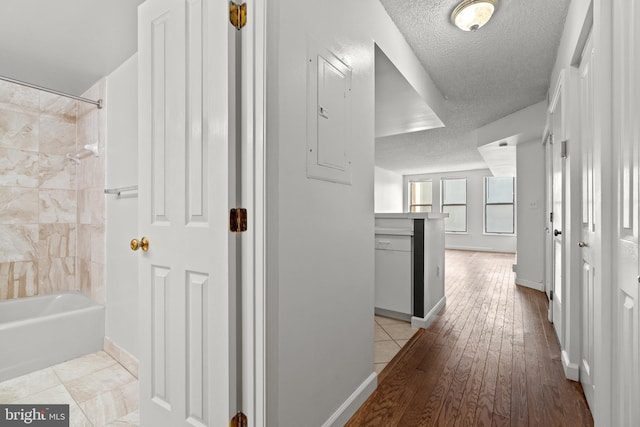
pixel 328 116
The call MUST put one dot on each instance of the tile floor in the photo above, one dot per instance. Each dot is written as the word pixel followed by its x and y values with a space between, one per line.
pixel 99 391
pixel 390 336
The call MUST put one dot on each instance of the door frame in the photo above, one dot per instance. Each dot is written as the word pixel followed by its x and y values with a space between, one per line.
pixel 581 219
pixel 603 127
pixel 558 106
pixel 252 123
pixel 548 242
pixel 625 290
pixel 599 18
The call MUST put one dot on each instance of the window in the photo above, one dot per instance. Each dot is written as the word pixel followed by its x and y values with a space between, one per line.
pixel 454 202
pixel 498 205
pixel 420 196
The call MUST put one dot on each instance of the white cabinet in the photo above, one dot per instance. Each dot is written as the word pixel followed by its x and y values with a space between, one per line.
pixel 394 275
pixel 410 266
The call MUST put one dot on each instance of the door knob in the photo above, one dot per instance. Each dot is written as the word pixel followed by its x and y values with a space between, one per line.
pixel 557 232
pixel 142 244
pixel 582 244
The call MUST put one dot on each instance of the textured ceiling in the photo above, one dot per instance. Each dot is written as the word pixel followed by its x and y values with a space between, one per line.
pixel 484 75
pixel 66 45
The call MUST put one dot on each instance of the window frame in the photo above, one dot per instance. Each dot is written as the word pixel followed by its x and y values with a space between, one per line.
pixel 410 205
pixel 465 204
pixel 513 207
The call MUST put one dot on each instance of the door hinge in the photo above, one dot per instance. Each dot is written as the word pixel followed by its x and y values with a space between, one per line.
pixel 239 420
pixel 238 220
pixel 550 216
pixel 237 14
pixel 564 148
pixel 551 295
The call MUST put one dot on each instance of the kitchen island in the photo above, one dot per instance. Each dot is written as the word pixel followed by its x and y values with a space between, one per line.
pixel 409 266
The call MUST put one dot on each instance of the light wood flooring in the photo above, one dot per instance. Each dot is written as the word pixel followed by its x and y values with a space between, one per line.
pixel 490 358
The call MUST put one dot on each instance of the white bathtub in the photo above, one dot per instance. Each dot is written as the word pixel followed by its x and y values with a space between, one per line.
pixel 41 331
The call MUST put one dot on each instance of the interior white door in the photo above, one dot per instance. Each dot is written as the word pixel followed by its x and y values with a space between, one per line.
pixel 588 238
pixel 557 225
pixel 548 242
pixel 627 142
pixel 188 372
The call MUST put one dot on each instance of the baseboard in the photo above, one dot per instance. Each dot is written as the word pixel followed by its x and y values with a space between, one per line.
pixel 391 314
pixel 353 403
pixel 571 370
pixel 424 322
pixel 530 284
pixel 126 359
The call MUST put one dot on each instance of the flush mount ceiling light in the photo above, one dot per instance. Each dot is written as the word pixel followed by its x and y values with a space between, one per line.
pixel 473 14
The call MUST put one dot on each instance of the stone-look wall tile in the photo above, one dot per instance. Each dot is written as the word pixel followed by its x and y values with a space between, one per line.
pixel 18 130
pixel 59 106
pixel 56 275
pixel 91 172
pixel 57 206
pixel 18 168
pixel 90 261
pixel 91 206
pixel 88 131
pixel 19 97
pixel 57 135
pixel 98 244
pixel 18 205
pixel 83 276
pixel 84 242
pixel 18 242
pixel 84 209
pixel 61 241
pixel 98 290
pixel 96 131
pixel 18 279
pixel 57 172
pixel 57 240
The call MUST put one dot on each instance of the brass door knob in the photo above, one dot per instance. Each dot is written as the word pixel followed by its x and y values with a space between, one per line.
pixel 582 244
pixel 141 244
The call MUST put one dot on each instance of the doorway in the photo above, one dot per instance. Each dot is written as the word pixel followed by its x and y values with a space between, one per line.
pixel 557 218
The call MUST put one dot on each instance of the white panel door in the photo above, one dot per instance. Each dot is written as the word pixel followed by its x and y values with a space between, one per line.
pixel 548 242
pixel 187 281
pixel 588 238
pixel 626 136
pixel 557 226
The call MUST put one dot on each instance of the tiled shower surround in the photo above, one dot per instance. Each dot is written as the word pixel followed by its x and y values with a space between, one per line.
pixel 51 209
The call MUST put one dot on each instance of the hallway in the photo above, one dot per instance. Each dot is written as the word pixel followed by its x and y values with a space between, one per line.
pixel 489 358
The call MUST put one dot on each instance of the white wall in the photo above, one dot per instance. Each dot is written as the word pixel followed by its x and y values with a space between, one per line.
pixel 474 239
pixel 530 196
pixel 320 235
pixel 388 191
pixel 122 213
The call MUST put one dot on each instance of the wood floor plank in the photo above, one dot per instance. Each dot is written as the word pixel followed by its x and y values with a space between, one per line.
pixel 490 358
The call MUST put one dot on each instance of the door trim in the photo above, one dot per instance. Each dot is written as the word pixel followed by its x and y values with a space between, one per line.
pixel 603 257
pixel 253 41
